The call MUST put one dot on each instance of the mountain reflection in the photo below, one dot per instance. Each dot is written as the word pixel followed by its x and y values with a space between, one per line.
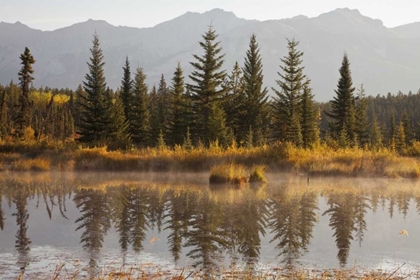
pixel 203 225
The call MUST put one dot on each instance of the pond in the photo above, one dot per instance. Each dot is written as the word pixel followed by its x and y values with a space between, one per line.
pixel 87 224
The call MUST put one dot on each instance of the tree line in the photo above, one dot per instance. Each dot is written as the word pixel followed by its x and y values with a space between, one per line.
pixel 215 108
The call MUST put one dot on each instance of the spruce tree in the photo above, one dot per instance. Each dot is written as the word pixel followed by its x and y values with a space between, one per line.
pixel 140 115
pixel 233 103
pixel 361 122
pixel 119 126
pixel 126 88
pixel 206 90
pixel 25 80
pixel 159 112
pixel 375 135
pixel 342 112
pixel 177 113
pixel 287 109
pixel 95 104
pixel 408 129
pixel 256 111
pixel 309 118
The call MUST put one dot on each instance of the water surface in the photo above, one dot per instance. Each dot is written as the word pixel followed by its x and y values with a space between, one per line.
pixel 94 222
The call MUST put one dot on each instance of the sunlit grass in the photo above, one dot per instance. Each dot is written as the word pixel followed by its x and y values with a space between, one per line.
pixel 320 160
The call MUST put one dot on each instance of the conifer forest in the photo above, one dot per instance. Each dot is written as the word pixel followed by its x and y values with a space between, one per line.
pixel 218 107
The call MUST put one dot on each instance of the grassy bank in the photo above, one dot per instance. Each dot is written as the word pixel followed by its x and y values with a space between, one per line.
pixel 321 160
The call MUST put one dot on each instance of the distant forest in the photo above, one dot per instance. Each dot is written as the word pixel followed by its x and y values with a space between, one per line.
pixel 218 107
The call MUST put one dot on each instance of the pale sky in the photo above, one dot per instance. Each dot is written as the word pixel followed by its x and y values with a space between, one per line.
pixel 53 14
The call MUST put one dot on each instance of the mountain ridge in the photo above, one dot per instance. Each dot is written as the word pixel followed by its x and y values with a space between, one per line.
pixel 379 55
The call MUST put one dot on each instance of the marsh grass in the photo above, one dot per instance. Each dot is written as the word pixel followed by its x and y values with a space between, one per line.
pixel 233 174
pixel 257 174
pixel 273 273
pixel 320 160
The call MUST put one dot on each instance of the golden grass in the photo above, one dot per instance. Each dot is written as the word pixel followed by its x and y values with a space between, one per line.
pixel 321 160
pixel 235 174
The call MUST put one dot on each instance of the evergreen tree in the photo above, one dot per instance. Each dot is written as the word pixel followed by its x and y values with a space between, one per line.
pixel 126 88
pixel 4 122
pixel 119 125
pixel 361 122
pixel 342 112
pixel 309 118
pixel 95 105
pixel 178 110
pixel 233 104
pixel 287 109
pixel 376 138
pixel 159 112
pixel 256 111
pixel 393 133
pixel 206 90
pixel 25 79
pixel 408 129
pixel 140 116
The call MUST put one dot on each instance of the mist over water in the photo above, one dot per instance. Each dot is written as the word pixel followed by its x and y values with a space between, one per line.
pixel 96 221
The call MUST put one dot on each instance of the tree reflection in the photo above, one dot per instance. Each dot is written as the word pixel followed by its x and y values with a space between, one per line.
pixel 22 243
pixel 292 221
pixel 1 209
pixel 138 212
pixel 95 220
pixel 246 221
pixel 347 215
pixel 206 235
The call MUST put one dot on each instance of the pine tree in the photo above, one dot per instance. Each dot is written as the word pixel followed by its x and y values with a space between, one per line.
pixel 206 90
pixel 4 130
pixel 286 104
pixel 342 112
pixel 178 111
pixel 95 105
pixel 309 118
pixel 126 88
pixel 256 111
pixel 140 115
pixel 25 79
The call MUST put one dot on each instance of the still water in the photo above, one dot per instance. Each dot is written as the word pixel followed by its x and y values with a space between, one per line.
pixel 86 224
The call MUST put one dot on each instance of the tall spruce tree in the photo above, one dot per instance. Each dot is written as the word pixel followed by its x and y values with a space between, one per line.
pixel 126 88
pixel 256 111
pixel 309 118
pixel 206 90
pixel 286 105
pixel 177 113
pixel 342 112
pixel 25 80
pixel 140 116
pixel 95 103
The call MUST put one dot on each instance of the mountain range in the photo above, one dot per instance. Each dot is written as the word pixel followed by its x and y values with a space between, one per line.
pixel 383 59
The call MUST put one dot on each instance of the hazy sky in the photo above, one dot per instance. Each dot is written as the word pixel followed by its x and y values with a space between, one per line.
pixel 53 14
